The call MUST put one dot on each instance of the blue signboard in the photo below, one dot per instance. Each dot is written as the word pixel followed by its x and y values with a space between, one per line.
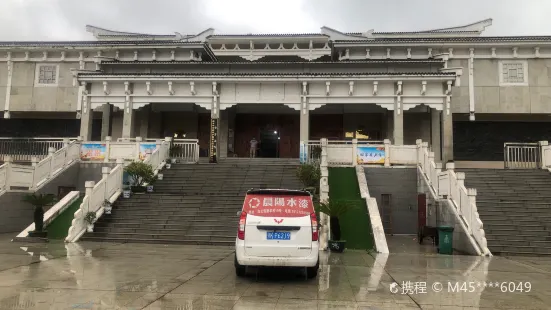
pixel 303 153
pixel 370 155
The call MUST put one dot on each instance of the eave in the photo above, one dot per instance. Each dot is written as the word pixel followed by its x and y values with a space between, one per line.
pixel 252 63
pixel 275 77
pixel 457 41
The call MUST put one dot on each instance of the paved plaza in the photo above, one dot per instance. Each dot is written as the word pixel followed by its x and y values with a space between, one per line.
pixel 142 276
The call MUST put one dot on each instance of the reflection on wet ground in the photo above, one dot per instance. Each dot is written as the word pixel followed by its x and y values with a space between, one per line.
pixel 142 276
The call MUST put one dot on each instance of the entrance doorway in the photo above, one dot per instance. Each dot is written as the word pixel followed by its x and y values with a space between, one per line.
pixel 269 143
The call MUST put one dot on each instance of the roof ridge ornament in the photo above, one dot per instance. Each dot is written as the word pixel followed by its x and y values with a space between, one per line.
pixel 106 34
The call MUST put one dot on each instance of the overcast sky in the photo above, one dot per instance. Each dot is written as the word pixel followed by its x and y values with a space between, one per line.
pixel 66 19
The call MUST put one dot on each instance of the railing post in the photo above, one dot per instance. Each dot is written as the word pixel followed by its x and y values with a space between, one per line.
pixel 8 160
pixel 436 182
pixel 460 178
pixel 354 152
pixel 471 192
pixel 426 167
pixel 420 161
pixel 168 140
pixel 107 149
pixel 66 142
pixel 34 161
pixel 387 152
pixel 51 151
pixel 89 185
pixel 425 148
pixel 104 174
pixel 543 145
pixel 324 157
pixel 138 142
pixel 450 167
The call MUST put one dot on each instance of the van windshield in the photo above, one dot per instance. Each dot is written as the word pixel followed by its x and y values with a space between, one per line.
pixel 274 205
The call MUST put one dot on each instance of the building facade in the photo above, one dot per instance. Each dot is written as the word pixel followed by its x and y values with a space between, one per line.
pixel 464 93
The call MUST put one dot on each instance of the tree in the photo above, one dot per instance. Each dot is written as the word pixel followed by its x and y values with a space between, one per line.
pixel 140 173
pixel 335 209
pixel 39 201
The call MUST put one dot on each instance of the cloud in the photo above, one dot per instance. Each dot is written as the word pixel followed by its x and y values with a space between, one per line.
pixel 65 19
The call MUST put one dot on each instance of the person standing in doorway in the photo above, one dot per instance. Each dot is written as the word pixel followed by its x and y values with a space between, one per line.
pixel 252 149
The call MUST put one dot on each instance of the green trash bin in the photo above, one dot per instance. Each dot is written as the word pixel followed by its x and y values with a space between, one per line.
pixel 445 240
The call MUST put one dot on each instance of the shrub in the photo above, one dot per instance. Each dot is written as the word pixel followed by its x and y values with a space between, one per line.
pixel 309 175
pixel 140 173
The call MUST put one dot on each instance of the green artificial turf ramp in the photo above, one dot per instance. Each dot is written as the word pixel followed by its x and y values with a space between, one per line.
pixel 59 227
pixel 355 224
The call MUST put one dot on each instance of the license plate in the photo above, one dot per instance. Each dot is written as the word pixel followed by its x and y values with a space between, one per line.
pixel 278 235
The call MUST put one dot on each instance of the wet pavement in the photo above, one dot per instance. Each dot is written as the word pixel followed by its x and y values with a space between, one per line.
pixel 143 276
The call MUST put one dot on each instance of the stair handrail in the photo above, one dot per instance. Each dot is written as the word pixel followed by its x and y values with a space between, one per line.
pixel 108 188
pixel 34 177
pixel 160 155
pixel 449 185
pixel 324 195
pixel 374 216
pixel 3 178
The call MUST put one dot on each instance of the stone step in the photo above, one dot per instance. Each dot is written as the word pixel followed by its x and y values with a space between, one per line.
pixel 526 250
pixel 519 242
pixel 536 235
pixel 172 214
pixel 165 236
pixel 177 221
pixel 116 239
pixel 194 226
pixel 230 231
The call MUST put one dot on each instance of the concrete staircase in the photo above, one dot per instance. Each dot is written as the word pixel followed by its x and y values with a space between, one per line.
pixel 193 204
pixel 515 207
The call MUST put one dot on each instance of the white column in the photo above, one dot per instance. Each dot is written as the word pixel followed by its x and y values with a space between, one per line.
pixel 447 133
pixel 106 121
pixel 86 114
pixel 435 120
pixel 128 119
pixel 304 115
pixel 398 122
pixel 8 87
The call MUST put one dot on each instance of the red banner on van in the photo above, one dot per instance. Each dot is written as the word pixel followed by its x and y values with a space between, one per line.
pixel 278 205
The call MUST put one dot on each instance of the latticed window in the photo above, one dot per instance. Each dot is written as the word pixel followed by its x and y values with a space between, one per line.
pixel 47 74
pixel 513 72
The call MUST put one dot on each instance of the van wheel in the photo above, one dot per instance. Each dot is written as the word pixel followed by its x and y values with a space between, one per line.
pixel 312 272
pixel 240 270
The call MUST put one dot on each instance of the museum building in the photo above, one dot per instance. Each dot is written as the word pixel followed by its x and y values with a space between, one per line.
pixel 464 93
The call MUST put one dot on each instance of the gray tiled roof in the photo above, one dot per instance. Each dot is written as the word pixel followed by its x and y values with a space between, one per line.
pixel 451 39
pixel 94 43
pixel 272 74
pixel 365 61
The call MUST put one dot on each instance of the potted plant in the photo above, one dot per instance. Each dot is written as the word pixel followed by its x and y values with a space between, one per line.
pixel 126 192
pixel 175 150
pixel 335 209
pixel 39 201
pixel 140 174
pixel 150 183
pixel 90 218
pixel 107 207
pixel 309 175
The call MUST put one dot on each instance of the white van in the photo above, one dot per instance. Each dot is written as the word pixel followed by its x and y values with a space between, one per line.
pixel 278 228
